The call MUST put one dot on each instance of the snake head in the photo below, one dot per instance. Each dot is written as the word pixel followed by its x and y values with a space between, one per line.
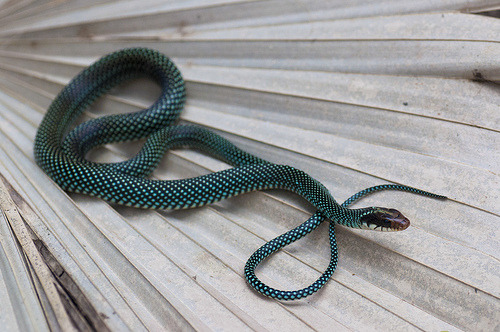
pixel 384 219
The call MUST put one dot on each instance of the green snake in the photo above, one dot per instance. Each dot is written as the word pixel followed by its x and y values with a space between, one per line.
pixel 60 152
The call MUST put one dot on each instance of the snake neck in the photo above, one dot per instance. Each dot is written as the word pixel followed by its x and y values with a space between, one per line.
pixel 357 216
pixel 349 217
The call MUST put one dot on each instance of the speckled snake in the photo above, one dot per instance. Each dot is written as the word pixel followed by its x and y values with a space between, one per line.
pixel 60 152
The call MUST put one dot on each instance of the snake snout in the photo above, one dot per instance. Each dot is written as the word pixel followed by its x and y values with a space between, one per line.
pixel 397 220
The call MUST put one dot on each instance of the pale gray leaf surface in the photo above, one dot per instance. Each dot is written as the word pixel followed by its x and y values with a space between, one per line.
pixel 355 93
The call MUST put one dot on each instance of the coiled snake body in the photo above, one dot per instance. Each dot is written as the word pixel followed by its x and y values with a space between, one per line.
pixel 62 156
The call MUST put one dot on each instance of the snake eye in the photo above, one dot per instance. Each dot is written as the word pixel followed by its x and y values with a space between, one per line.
pixel 385 220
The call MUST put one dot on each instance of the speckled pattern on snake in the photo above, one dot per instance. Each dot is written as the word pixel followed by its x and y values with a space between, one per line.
pixel 60 152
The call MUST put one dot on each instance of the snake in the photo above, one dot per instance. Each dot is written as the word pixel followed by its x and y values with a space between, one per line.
pixel 61 146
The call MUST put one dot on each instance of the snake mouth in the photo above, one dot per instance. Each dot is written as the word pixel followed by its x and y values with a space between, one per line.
pixel 384 219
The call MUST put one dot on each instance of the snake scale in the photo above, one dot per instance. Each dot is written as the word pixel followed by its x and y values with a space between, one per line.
pixel 60 151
